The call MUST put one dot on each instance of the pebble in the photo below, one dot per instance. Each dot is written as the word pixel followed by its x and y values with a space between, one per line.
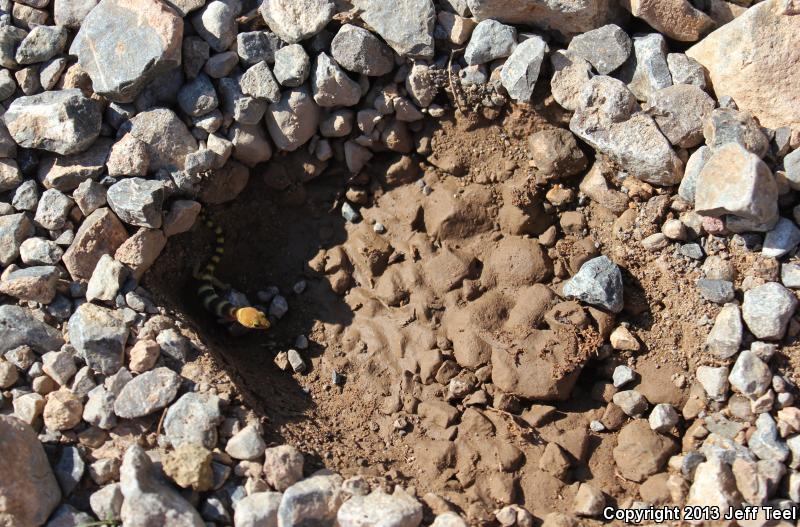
pixel 663 418
pixel 714 486
pixel 297 20
pixel 28 407
pixel 606 48
pixel 296 361
pixel 790 275
pixel 767 309
pixel 257 510
pixel 293 119
pixel 725 337
pixel 62 410
pixel 491 40
pixel 622 376
pixel 60 366
pixel 624 340
pixel 292 66
pixel 765 442
pixel 632 402
pixel 314 500
pixel 395 510
pixel 149 392
pixel 649 71
pixel 598 282
pixel 589 501
pixel 714 381
pixel 283 466
pixel 357 50
pixel 69 469
pixel 750 376
pixel 331 85
pixel 521 71
pixel 173 344
pixel 106 502
pixel 189 465
pixel 781 240
pixel 99 336
pixel 99 409
pixel 246 444
pixel 717 291
pixel 406 25
pixel 257 46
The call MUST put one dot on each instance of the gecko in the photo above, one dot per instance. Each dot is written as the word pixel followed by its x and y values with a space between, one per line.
pixel 248 317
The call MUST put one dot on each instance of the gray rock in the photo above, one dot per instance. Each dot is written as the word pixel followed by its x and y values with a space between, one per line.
pixel 195 53
pixel 606 48
pixel 647 71
pixel 714 381
pixel 750 376
pixel 26 197
pixel 296 361
pixel 599 282
pixel 622 375
pixel 10 37
pixel 330 84
pixel 106 280
pixel 257 46
pixel 10 176
pixel 726 125
pixel 216 24
pixel 312 501
pixel 663 418
pixel 292 67
pixel 246 444
pixel 14 229
pixel 767 309
pixel 31 495
pixel 59 366
pixel 99 335
pixel 395 510
pixel 99 409
pixel 193 419
pixel 148 501
pixel 63 121
pixel 22 357
pixel 138 201
pixel 717 291
pixel 238 106
pixel 53 209
pixel 791 165
pixel 213 510
pixel 421 85
pixel 106 502
pixel 259 82
pixel 41 44
pixel 258 510
pixel 221 64
pixel 51 72
pixel 406 25
pixel 790 275
pixel 359 51
pixel 166 138
pixel 490 41
pixel 68 516
pixel 694 166
pixel 686 70
pixel 19 327
pixel 173 344
pixel 724 449
pixel 297 20
pixel 124 45
pixel 521 71
pixel 782 239
pixel 71 13
pixel 250 143
pixel 198 96
pixel 83 383
pixel 765 442
pixel 725 337
pixel 293 120
pixel 147 393
pixel 679 112
pixel 69 469
pixel 737 183
pixel 90 196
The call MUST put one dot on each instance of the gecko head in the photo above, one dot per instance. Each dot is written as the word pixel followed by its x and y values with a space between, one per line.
pixel 252 318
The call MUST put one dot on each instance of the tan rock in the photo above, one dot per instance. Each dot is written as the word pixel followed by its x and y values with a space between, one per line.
pixel 622 339
pixel 566 16
pixel 144 355
pixel 676 19
pixel 100 233
pixel 746 57
pixel 641 452
pixel 189 466
pixel 714 486
pixel 62 411
pixel 139 252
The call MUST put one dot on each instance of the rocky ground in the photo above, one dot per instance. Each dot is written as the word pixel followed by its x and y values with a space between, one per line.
pixel 524 260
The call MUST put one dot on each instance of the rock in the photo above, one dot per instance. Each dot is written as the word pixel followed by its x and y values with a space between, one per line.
pixel 258 510
pixel 726 336
pixel 61 121
pixel 53 209
pixel 294 21
pixel 790 275
pixel 765 442
pixel 181 217
pixel 139 252
pixel 750 375
pixel 107 502
pixel 312 501
pixel 554 461
pixel 599 282
pixel 736 182
pixel 90 196
pixel 19 327
pixel 235 104
pixel 99 409
pixel 521 70
pixel 717 291
pixel 331 86
pixel 767 309
pixel 606 48
pixel 99 335
pixel 62 410
pixel 663 418
pixel 28 489
pixel 60 366
pixel 647 71
pixel 605 119
pixel 250 144
pixel 448 519
pixel 106 281
pixel 69 469
pixel 147 393
pixel 714 486
pixel 257 46
pixel 193 419
pixel 359 51
pixel 293 120
pixel 14 230
pixel 283 466
pixel 743 56
pixel 29 407
pixel 781 240
pixel 685 70
pixel 623 375
pixel 216 24
pixel 727 125
pixel 714 381
pixel 622 339
pixel 679 112
pixel 406 25
pixel 641 452
pixel 292 67
pixel 165 136
pixel 588 501
pixel 555 153
pixel 677 19
pixel 147 501
pixel 189 465
pixel 246 444
pixel 35 284
pixel 71 13
pixel 259 82
pixel 129 157
pixel 490 41
pixel 68 516
pixel 138 201
pixel 10 176
pixel 41 44
pixel 631 402
pixel 124 44
pixel 100 233
pixel 198 96
pixel 395 510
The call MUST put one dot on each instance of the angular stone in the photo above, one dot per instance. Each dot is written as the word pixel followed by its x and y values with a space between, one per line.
pixel 283 466
pixel 193 419
pixel 359 51
pixel 259 82
pixel 725 337
pixel 744 57
pixel 717 291
pixel 714 486
pixel 99 335
pixel 181 217
pixel 18 327
pixel 107 501
pixel 726 125
pixel 750 375
pixel 767 309
pixel 71 13
pixel 647 71
pixel 599 282
pixel 685 70
pixel 138 201
pixel 106 281
pixel 189 465
pixel 293 120
pixel 714 381
pixel 736 182
pixel 139 252
pixel 297 20
pixel 490 41
pixel 41 44
pixel 679 112
pixel 59 366
pixel 64 121
pixel 66 173
pixel 216 24
pixel 521 71
pixel 694 166
pixel 99 409
pixel 69 469
pixel 258 510
pixel 246 444
pixel 62 411
pixel 147 393
pixel 781 240
pixel 165 135
pixel 125 44
pixel 313 501
pixel 35 284
pixel 100 233
pixel 257 46
pixel 677 19
pixel 398 510
pixel 589 501
pixel 292 66
pixel 641 452
pixel 198 97
pixel 331 85
pixel 406 25
pixel 28 488
pixel 606 48
pixel 765 442
pixel 129 157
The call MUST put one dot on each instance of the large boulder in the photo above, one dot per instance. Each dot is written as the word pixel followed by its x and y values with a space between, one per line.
pixel 28 489
pixel 125 44
pixel 406 25
pixel 166 138
pixel 746 56
pixel 677 19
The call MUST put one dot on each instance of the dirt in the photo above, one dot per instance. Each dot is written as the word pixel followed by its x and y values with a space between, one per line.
pixel 466 276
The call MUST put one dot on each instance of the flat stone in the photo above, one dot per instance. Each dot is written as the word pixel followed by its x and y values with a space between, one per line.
pixel 717 291
pixel 193 419
pixel 147 393
pixel 521 71
pixel 138 201
pixel 677 19
pixel 33 493
pixel 297 20
pixel 216 24
pixel 490 41
pixel 99 335
pixel 64 121
pixel 18 327
pixel 750 375
pixel 406 25
pixel 599 282
pixel 767 309
pixel 606 48
pixel 395 510
pixel 781 240
pixel 124 44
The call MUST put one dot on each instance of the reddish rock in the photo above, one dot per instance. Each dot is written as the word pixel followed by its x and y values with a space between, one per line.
pixel 101 233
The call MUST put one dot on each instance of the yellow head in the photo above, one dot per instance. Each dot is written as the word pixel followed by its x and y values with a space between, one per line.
pixel 252 318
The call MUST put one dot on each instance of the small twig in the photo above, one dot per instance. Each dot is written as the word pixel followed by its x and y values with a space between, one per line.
pixel 160 422
pixel 456 99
